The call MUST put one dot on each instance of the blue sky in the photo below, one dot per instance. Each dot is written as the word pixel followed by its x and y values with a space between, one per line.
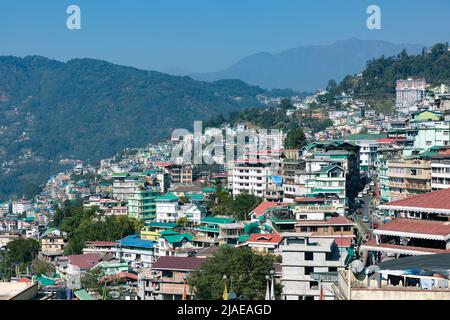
pixel 206 35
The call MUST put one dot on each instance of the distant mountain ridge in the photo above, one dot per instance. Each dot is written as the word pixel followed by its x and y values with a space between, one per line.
pixel 89 109
pixel 308 68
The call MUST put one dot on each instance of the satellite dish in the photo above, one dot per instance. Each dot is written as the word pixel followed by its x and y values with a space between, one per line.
pixel 373 269
pixel 357 266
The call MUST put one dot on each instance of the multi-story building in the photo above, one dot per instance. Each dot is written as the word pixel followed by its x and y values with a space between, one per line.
pixel 408 93
pixel 139 253
pixel 21 206
pixel 251 177
pixel 304 258
pixel 124 187
pixel 166 280
pixel 141 204
pixel 368 144
pixel 52 247
pixel 388 149
pixel 408 178
pixel 440 171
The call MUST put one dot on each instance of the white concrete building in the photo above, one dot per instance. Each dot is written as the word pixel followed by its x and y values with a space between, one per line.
pixel 304 257
pixel 440 172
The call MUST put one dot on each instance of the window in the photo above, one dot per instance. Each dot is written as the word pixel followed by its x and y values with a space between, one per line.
pixel 309 270
pixel 167 274
pixel 312 229
pixel 336 229
pixel 309 256
pixel 314 285
pixel 332 269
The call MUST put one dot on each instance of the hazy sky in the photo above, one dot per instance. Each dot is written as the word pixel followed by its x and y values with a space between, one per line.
pixel 207 35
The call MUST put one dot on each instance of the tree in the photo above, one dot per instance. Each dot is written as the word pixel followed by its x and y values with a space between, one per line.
pixel 91 280
pixel 243 204
pixel 40 267
pixel 223 203
pixel 182 222
pixel 295 139
pixel 84 225
pixel 246 272
pixel 20 253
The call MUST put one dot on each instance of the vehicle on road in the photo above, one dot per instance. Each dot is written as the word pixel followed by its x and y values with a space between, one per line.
pixel 365 219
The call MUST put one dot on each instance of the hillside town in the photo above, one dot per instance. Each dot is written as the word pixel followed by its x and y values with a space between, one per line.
pixel 358 212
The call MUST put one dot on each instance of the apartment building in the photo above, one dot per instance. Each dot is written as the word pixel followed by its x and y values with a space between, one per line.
pixel 142 203
pixel 166 280
pixel 368 144
pixel 251 177
pixel 440 171
pixel 408 178
pixel 124 187
pixel 388 149
pixel 304 258
pixel 408 93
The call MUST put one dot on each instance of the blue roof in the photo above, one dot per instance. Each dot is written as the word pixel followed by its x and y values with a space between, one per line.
pixel 136 241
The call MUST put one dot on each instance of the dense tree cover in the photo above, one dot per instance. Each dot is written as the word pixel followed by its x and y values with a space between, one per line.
pixel 246 273
pixel 272 118
pixel 239 207
pixel 20 253
pixel 84 225
pixel 295 139
pixel 378 80
pixel 88 109
pixel 41 267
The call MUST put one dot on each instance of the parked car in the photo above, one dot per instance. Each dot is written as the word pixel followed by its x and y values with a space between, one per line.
pixel 365 219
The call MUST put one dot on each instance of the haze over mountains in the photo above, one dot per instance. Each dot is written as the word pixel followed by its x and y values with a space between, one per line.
pixel 308 68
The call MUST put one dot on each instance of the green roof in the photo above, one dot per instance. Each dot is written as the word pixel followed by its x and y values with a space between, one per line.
pixel 217 220
pixel 277 221
pixel 45 281
pixel 207 229
pixel 356 137
pixel 83 295
pixel 427 154
pixel 168 232
pixel 162 225
pixel 178 237
pixel 120 175
pixel 148 172
pixel 327 168
pixel 318 190
pixel 195 197
pixel 209 190
pixel 243 238
pixel 168 197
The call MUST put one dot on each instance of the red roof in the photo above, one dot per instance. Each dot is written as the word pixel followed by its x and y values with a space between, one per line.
pixel 84 261
pixel 431 200
pixel 390 140
pixel 163 164
pixel 266 238
pixel 441 228
pixel 262 208
pixel 24 279
pixel 344 242
pixel 373 243
pixel 178 263
pixel 101 243
pixel 121 275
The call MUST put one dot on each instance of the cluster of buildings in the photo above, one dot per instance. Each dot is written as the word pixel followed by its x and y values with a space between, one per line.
pixel 394 168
